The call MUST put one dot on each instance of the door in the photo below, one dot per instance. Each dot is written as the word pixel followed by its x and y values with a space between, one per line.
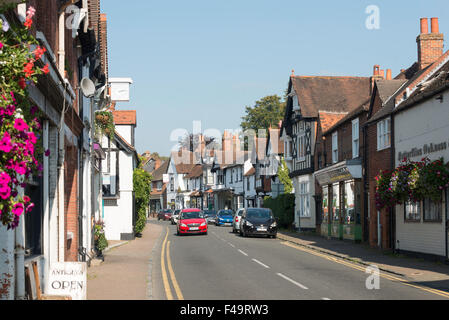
pixel 447 223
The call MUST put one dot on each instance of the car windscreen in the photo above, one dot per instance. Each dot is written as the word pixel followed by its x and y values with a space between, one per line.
pixel 259 214
pixel 225 213
pixel 192 215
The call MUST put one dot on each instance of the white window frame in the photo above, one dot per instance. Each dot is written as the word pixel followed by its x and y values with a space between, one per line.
pixel 384 134
pixel 335 147
pixel 301 147
pixel 355 138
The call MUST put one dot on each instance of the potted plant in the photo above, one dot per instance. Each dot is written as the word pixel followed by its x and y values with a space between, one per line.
pixel 101 243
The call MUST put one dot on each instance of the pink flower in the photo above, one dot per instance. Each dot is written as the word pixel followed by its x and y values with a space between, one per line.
pixel 18 209
pixel 4 178
pixel 30 207
pixel 20 168
pixel 30 12
pixel 5 192
pixel 47 153
pixel 5 143
pixel 20 125
pixel 32 137
pixel 26 199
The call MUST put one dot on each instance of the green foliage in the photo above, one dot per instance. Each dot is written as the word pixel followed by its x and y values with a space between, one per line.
pixel 104 123
pixel 101 242
pixel 283 174
pixel 283 208
pixel 267 112
pixel 142 191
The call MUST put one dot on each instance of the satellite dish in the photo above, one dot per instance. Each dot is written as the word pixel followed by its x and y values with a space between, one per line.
pixel 88 87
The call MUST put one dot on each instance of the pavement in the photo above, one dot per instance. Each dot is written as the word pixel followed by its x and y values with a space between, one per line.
pixel 125 273
pixel 431 273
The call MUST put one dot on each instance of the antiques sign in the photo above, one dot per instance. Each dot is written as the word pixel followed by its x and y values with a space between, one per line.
pixel 68 279
pixel 419 152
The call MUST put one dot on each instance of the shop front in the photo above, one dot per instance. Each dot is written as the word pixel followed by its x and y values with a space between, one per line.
pixel 341 196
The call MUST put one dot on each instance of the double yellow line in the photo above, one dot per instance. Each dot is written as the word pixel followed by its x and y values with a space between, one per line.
pixel 165 254
pixel 363 269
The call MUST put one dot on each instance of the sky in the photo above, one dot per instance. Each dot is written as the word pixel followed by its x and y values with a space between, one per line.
pixel 206 60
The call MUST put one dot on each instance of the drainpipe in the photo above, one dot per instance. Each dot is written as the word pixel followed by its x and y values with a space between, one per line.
pixel 46 220
pixel 20 259
pixel 61 153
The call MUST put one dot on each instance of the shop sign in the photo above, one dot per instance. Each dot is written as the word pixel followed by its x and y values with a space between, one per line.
pixel 424 150
pixel 340 174
pixel 68 279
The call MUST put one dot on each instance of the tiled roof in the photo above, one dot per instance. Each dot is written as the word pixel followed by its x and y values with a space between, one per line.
pixel 159 172
pixel 350 116
pixel 338 94
pixel 197 171
pixel 125 117
pixel 387 88
pixel 328 119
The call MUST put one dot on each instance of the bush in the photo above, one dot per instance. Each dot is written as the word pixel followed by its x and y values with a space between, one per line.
pixel 283 208
pixel 142 191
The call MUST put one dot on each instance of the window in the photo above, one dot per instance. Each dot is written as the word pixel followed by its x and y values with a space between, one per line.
pixel 159 185
pixel 413 211
pixel 304 201
pixel 220 177
pixel 325 204
pixel 172 184
pixel 247 183
pixel 335 147
pixel 301 146
pixel 232 176
pixel 241 174
pixel 432 210
pixel 384 134
pixel 355 138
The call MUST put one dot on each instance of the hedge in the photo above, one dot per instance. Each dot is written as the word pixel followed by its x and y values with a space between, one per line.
pixel 283 208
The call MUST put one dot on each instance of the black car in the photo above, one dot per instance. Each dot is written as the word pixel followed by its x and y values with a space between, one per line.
pixel 258 221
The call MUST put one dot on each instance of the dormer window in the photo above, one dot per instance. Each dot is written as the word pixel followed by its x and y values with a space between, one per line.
pixel 295 103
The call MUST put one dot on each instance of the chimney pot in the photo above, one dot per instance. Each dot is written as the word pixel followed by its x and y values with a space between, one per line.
pixel 424 25
pixel 434 25
pixel 389 74
pixel 382 74
pixel 376 70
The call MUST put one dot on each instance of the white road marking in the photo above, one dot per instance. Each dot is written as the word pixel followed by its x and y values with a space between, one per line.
pixel 262 264
pixel 243 252
pixel 231 244
pixel 292 281
pixel 325 299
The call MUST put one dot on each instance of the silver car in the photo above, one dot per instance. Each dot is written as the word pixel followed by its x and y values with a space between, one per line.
pixel 237 219
pixel 175 217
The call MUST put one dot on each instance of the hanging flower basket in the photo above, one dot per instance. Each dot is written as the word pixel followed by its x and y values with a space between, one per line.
pixel 104 123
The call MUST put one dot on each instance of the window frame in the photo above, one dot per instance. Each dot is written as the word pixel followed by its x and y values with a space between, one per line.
pixel 355 149
pixel 335 147
pixel 439 219
pixel 384 134
pixel 406 216
pixel 304 200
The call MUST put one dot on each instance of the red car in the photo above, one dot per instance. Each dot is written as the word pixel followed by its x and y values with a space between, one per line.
pixel 192 221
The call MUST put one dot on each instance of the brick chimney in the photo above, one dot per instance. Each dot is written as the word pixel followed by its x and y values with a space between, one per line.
pixel 430 45
pixel 389 75
pixel 377 75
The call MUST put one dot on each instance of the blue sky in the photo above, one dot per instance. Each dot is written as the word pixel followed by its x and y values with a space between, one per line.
pixel 207 60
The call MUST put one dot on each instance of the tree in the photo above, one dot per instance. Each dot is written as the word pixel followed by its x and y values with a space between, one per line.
pixel 267 112
pixel 142 191
pixel 191 140
pixel 283 174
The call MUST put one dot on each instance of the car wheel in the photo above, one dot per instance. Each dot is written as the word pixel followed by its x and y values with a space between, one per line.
pixel 274 236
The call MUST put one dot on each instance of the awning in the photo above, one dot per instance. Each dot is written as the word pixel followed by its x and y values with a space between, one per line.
pixel 342 171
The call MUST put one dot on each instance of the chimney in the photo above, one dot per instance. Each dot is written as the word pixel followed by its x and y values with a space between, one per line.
pixel 377 75
pixel 382 74
pixel 430 45
pixel 389 75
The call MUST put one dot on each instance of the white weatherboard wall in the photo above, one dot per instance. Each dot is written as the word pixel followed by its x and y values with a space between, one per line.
pixel 306 222
pixel 421 125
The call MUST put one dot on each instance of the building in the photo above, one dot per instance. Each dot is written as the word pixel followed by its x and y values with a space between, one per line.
pixel 307 96
pixel 158 198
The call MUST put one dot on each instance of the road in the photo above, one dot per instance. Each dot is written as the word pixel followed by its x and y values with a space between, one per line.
pixel 223 266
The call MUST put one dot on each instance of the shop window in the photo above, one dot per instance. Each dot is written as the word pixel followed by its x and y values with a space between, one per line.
pixel 412 211
pixel 325 205
pixel 349 202
pixel 336 202
pixel 432 210
pixel 304 200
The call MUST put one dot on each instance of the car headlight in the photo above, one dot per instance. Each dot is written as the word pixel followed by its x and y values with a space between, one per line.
pixel 274 225
pixel 249 224
pixel 203 224
pixel 183 225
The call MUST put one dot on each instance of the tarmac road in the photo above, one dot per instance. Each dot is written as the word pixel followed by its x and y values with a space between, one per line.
pixel 223 266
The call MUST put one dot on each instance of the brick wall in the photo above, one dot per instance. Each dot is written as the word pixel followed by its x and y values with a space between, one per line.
pixel 71 201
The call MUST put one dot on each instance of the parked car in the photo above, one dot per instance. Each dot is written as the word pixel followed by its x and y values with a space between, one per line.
pixel 210 215
pixel 237 219
pixel 165 214
pixel 191 221
pixel 258 221
pixel 175 216
pixel 224 218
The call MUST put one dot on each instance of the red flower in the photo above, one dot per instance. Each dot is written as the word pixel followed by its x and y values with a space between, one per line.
pixel 28 23
pixel 29 69
pixel 39 52
pixel 45 69
pixel 22 83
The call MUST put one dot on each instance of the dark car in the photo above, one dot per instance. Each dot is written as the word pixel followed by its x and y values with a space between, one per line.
pixel 224 218
pixel 258 221
pixel 164 214
pixel 210 215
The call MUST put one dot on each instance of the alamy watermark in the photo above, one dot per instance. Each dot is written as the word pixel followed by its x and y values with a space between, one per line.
pixel 372 22
pixel 373 280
